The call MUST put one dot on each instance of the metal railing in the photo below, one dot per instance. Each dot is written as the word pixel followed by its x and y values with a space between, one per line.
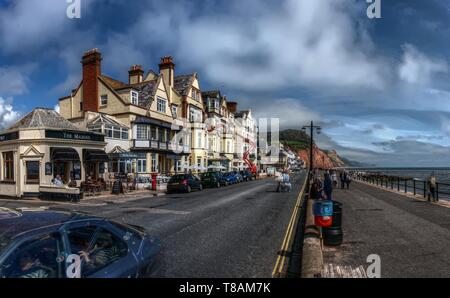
pixel 406 184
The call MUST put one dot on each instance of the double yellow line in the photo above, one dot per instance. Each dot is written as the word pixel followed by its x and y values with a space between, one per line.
pixel 278 271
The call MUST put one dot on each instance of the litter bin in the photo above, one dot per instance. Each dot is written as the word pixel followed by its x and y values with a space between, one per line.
pixel 334 235
pixel 323 212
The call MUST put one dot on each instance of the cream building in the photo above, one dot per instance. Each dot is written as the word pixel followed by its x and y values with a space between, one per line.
pixel 44 145
pixel 138 118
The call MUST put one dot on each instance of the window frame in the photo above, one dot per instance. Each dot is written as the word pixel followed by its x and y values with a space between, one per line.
pixel 161 102
pixel 102 97
pixel 140 132
pixel 134 97
pixel 32 181
pixel 8 172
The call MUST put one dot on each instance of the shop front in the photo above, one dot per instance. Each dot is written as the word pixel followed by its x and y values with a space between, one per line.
pixel 43 155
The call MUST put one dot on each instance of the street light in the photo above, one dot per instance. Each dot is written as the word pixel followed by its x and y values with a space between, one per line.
pixel 311 128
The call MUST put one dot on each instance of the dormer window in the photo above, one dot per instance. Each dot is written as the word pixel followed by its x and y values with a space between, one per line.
pixel 196 94
pixel 134 97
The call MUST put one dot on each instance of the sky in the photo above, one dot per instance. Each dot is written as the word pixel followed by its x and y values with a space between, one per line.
pixel 380 88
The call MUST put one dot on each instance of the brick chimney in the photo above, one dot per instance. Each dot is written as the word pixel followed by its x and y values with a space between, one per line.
pixel 232 107
pixel 167 69
pixel 91 71
pixel 135 74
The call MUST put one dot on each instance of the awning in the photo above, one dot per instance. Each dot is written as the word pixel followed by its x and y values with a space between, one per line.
pixel 64 154
pixel 92 155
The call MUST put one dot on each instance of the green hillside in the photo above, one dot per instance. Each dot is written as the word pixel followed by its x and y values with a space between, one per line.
pixel 295 139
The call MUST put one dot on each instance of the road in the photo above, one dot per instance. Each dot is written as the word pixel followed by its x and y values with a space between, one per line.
pixel 234 231
pixel 412 237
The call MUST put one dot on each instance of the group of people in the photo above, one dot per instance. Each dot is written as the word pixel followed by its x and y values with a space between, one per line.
pixel 322 185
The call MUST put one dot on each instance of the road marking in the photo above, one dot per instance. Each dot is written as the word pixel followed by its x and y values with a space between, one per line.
pixel 281 260
pixel 148 210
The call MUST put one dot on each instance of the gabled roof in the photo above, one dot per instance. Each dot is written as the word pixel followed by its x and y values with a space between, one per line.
pixel 147 89
pixel 106 119
pixel 115 84
pixel 211 94
pixel 43 118
pixel 183 83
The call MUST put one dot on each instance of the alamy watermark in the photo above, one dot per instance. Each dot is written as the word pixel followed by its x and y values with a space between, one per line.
pixel 374 9
pixel 374 269
pixel 73 9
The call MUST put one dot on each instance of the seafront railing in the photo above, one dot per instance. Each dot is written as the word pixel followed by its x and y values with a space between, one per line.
pixel 405 184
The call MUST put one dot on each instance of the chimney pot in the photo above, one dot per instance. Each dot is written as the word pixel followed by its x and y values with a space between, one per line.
pixel 135 74
pixel 167 69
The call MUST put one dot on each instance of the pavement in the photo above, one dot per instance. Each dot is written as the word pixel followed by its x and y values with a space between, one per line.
pixel 411 236
pixel 233 232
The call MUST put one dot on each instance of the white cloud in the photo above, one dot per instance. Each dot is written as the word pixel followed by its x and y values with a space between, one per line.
pixel 291 112
pixel 418 68
pixel 7 113
pixel 31 24
pixel 57 108
pixel 294 43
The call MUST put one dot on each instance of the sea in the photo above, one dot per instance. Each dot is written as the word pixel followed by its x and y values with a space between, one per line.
pixel 442 174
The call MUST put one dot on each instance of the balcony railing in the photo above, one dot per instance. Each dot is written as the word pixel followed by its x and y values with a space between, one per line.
pixel 165 146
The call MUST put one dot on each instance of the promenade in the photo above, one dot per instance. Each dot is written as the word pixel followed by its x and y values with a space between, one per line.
pixel 411 236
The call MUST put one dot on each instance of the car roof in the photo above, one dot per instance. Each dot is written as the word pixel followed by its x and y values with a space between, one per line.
pixel 16 222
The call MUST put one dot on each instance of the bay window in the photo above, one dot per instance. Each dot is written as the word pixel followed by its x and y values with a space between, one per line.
pixel 142 132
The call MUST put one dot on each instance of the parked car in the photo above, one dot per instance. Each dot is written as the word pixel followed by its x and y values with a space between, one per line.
pixel 247 175
pixel 213 179
pixel 184 183
pixel 230 178
pixel 47 244
pixel 239 177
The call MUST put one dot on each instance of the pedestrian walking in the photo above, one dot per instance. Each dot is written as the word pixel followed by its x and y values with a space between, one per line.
pixel 328 186
pixel 316 190
pixel 348 180
pixel 334 179
pixel 342 178
pixel 432 188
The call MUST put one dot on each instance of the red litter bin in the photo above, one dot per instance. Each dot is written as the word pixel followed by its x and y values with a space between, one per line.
pixel 154 181
pixel 323 213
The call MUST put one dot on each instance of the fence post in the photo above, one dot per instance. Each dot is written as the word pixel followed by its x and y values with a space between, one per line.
pixel 414 183
pixel 437 191
pixel 424 190
pixel 398 183
pixel 406 186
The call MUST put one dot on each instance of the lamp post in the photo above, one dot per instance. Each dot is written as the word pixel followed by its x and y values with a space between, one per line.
pixel 311 128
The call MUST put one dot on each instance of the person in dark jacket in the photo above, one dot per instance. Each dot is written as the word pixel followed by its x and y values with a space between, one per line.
pixel 342 178
pixel 328 186
pixel 316 190
pixel 348 180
